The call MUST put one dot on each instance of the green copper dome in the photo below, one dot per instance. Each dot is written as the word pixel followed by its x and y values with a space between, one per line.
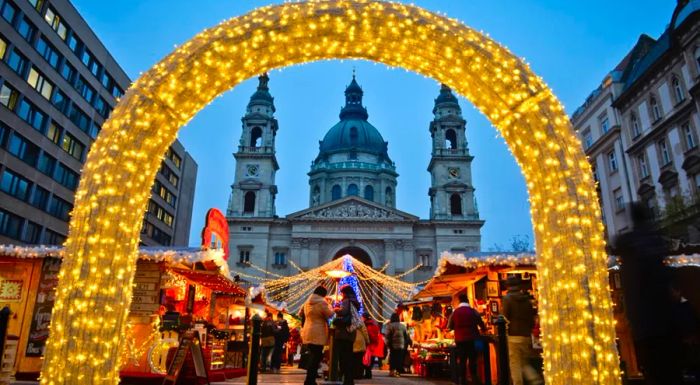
pixel 353 132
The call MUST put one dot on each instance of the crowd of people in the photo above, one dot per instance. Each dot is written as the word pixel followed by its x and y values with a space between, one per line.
pixel 360 345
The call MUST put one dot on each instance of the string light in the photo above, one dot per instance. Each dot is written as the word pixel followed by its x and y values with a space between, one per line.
pixel 95 282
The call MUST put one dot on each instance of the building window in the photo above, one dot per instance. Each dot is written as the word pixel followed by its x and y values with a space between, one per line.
pixel 15 185
pixel 244 256
pixel 169 175
pixel 587 139
pixel 689 136
pixel 31 114
pixel 677 89
pixel 8 11
pixel 335 192
pixel 84 89
pixel 53 238
pixel 23 149
pixel 8 96
pixel 280 258
pixel 456 204
pixel 10 224
pixel 90 62
pixel 47 51
pixel 66 177
pixel 643 168
pixel 604 123
pixel 424 259
pixel 54 20
pixel 72 146
pixel 40 83
pixel 79 118
pixel 40 198
pixel 37 4
pixel 663 150
pixel 60 101
pixel 46 164
pixel 32 233
pixel 612 161
pixel 25 29
pixel 595 174
pixel 249 202
pixel 256 137
pixel 3 48
pixel 17 62
pixel 369 193
pixel 634 122
pixel 451 139
pixel 175 158
pixel 59 208
pixel 68 72
pixel 389 197
pixel 353 190
pixel 619 200
pixel 655 109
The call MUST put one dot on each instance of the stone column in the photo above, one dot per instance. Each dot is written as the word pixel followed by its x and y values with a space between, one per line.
pixel 390 253
pixel 304 244
pixel 295 252
pixel 314 257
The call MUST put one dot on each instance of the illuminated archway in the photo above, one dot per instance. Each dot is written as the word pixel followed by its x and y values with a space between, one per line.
pixel 94 290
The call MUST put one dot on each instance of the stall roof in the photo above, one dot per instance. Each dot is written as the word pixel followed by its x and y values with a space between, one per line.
pixel 211 280
pixel 172 255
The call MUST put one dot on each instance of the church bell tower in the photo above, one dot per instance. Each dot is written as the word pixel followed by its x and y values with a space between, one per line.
pixel 451 192
pixel 253 191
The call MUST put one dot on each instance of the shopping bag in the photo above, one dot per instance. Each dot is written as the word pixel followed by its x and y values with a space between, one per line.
pixel 356 321
pixel 367 358
pixel 304 357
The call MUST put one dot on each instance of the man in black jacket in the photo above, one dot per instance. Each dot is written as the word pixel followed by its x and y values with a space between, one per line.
pixel 518 310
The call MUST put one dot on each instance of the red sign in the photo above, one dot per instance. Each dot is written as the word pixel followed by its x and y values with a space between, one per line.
pixel 215 232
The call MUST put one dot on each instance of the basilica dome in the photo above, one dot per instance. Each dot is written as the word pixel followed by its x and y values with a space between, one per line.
pixel 353 133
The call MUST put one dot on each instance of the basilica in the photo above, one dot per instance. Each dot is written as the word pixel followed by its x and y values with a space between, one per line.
pixel 352 195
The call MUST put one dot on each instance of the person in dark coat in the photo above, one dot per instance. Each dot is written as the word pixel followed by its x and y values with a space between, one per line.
pixel 345 339
pixel 645 281
pixel 281 338
pixel 267 341
pixel 520 314
pixel 466 322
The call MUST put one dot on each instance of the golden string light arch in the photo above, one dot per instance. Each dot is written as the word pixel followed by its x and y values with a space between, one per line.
pixel 94 291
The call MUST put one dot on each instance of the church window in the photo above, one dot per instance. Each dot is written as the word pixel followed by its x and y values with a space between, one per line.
pixel 389 197
pixel 456 204
pixel 249 202
pixel 256 137
pixel 451 139
pixel 316 196
pixel 280 258
pixel 353 134
pixel 335 192
pixel 369 193
pixel 244 256
pixel 353 190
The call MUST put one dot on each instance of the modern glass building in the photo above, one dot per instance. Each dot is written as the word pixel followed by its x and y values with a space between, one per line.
pixel 58 84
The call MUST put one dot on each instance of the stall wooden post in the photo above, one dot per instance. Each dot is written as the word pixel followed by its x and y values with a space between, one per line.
pixel 254 353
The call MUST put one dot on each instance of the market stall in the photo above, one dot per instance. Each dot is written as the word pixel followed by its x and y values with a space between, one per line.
pixel 479 275
pixel 174 290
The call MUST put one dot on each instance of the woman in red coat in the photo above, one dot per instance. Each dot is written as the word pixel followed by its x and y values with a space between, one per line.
pixel 376 344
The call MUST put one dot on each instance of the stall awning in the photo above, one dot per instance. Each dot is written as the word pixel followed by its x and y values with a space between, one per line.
pixel 214 281
pixel 448 285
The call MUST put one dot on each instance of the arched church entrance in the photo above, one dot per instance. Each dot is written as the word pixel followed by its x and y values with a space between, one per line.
pixel 357 252
pixel 94 292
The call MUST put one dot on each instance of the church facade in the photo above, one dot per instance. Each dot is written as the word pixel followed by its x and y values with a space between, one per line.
pixel 352 195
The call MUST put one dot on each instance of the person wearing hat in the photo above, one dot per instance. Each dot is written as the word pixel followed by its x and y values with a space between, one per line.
pixel 520 314
pixel 344 339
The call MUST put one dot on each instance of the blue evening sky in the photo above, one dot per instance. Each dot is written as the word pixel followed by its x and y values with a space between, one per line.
pixel 571 44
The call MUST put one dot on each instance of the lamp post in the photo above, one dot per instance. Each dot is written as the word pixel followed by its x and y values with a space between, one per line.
pixel 336 275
